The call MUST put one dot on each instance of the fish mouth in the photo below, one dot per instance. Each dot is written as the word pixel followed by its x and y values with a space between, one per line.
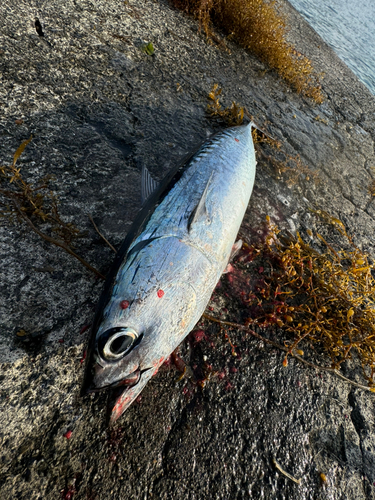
pixel 122 397
pixel 129 381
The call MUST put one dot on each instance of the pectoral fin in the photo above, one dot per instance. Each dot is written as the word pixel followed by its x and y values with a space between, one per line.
pixel 235 249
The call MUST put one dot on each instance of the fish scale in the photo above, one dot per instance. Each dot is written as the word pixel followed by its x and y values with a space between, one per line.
pixel 171 265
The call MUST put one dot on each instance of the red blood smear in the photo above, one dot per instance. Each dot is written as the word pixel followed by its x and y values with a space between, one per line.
pixel 68 494
pixel 198 335
pixel 233 369
pixel 167 361
pixel 68 434
pixel 160 293
pixel 221 375
pixel 119 407
pixel 228 386
pixel 124 304
pixel 83 329
pixel 83 356
pixel 131 380
pixel 236 140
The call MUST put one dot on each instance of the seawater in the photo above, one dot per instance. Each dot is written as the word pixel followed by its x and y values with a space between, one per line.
pixel 348 26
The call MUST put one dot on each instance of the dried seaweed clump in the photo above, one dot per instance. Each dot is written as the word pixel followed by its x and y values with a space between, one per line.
pixel 261 28
pixel 36 205
pixel 371 188
pixel 323 296
pixel 290 167
pixel 230 116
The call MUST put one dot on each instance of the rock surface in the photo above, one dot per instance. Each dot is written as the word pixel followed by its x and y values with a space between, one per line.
pixel 99 108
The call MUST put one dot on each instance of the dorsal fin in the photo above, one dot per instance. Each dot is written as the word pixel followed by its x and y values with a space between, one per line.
pixel 200 210
pixel 148 184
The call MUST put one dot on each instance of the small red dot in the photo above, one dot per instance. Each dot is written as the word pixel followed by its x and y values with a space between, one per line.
pixel 124 304
pixel 68 434
pixel 84 328
pixel 236 140
pixel 160 293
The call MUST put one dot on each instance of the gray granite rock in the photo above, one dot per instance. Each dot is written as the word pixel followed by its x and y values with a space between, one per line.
pixel 99 108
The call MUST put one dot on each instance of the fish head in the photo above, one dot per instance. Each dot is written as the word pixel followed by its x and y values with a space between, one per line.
pixel 128 348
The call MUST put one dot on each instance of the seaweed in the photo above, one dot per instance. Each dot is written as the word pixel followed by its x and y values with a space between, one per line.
pixel 230 116
pixel 321 295
pixel 36 205
pixel 260 27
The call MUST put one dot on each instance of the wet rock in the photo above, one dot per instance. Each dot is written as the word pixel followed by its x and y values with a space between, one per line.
pixel 99 108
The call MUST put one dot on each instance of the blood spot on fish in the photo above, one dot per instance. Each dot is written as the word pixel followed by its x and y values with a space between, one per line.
pixel 160 293
pixel 119 407
pixel 124 304
pixel 237 140
pixel 83 357
pixel 68 434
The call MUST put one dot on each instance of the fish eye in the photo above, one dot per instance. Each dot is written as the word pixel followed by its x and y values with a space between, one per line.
pixel 116 342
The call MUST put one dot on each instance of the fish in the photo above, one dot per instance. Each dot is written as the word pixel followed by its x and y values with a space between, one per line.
pixel 169 264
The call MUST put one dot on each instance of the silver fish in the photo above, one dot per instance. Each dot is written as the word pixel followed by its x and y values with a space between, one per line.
pixel 169 264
